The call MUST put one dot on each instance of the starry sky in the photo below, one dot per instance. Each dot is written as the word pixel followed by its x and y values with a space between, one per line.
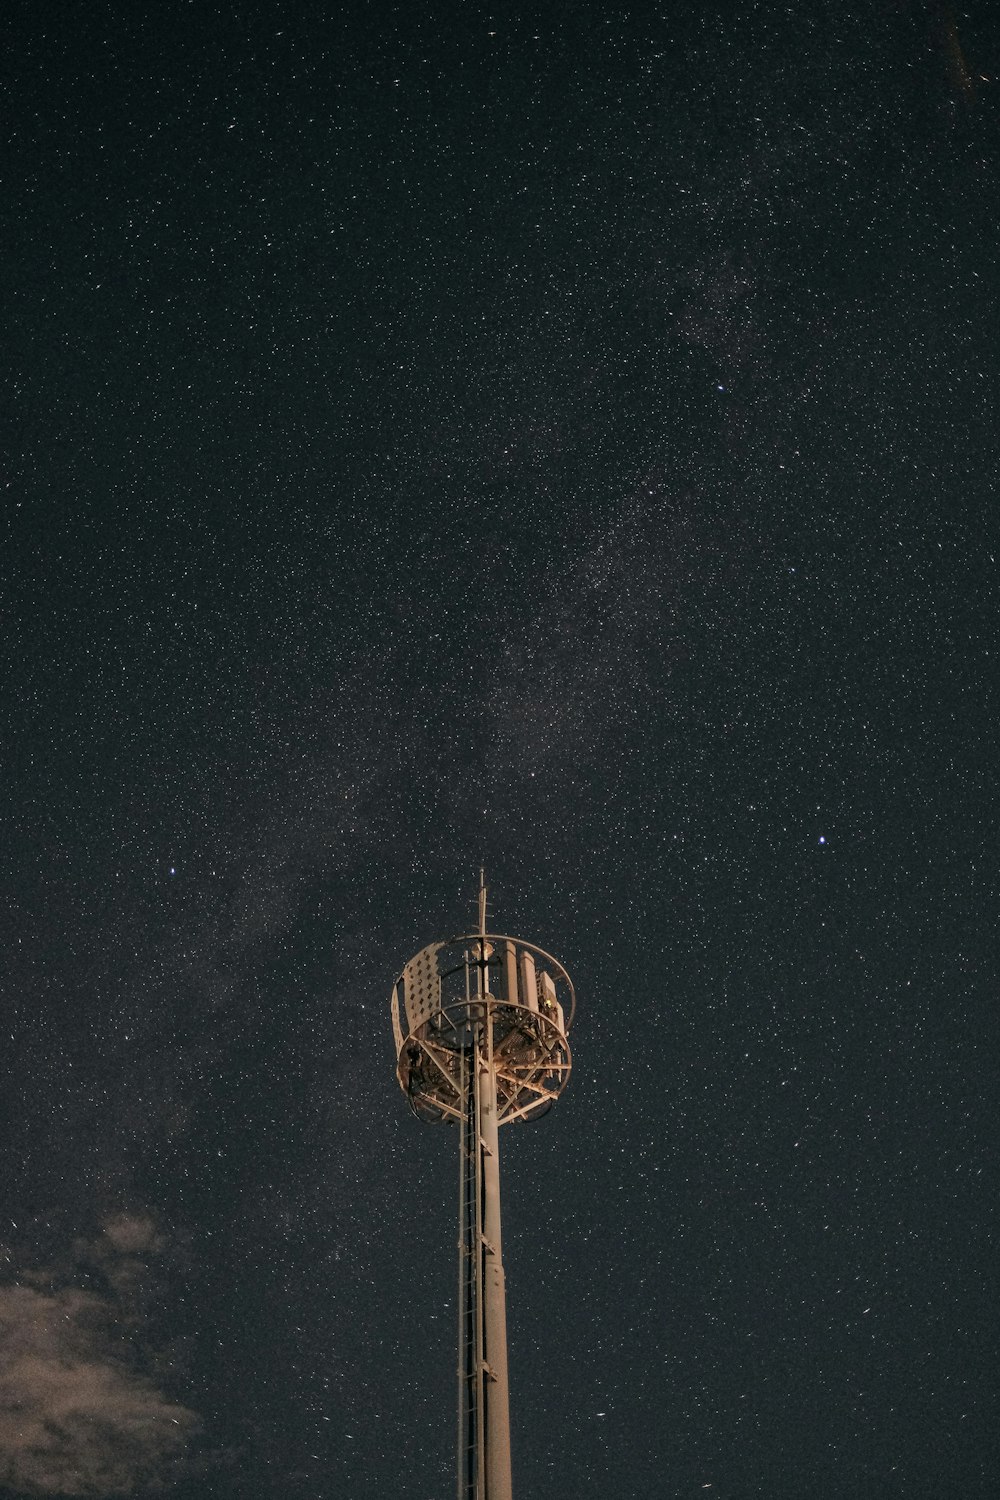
pixel 562 438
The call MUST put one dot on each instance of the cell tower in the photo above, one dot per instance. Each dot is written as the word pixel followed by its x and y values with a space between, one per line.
pixel 481 1024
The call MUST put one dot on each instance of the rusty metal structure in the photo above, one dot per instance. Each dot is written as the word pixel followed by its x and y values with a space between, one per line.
pixel 481 1023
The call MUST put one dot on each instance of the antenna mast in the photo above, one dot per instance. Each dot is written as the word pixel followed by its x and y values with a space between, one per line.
pixel 481 1024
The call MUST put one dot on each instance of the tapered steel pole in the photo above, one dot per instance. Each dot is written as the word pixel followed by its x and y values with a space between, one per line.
pixel 465 1276
pixel 495 1388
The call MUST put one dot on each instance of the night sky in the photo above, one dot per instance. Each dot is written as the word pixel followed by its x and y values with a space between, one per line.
pixel 562 439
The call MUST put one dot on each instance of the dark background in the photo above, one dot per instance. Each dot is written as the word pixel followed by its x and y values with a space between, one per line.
pixel 562 439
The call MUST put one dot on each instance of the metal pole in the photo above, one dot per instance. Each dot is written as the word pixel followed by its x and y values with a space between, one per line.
pixel 479 1381
pixel 464 1271
pixel 495 1387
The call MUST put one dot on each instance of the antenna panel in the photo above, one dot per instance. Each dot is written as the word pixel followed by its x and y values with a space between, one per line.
pixel 422 986
pixel 529 983
pixel 546 992
pixel 509 951
pixel 397 1029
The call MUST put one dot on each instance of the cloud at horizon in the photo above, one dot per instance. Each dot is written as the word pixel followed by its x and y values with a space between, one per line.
pixel 79 1415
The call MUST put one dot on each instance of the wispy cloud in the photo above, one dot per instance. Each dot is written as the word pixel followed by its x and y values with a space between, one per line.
pixel 79 1413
